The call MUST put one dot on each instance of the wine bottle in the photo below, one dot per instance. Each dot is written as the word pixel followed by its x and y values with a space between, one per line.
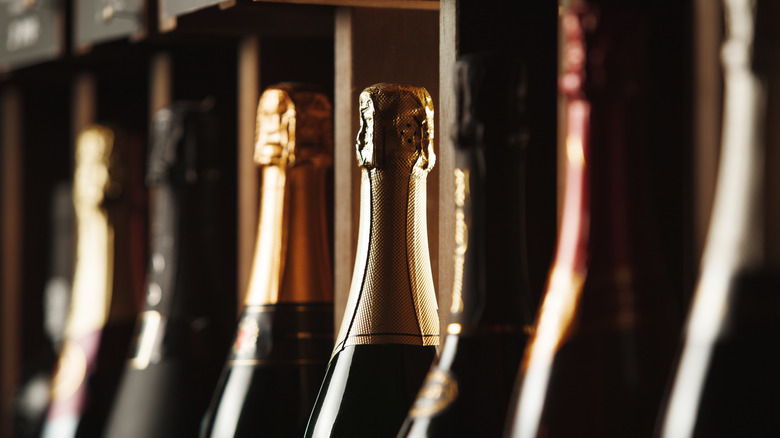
pixel 466 393
pixel 285 333
pixel 390 331
pixel 102 307
pixel 185 327
pixel 725 382
pixel 33 396
pixel 607 328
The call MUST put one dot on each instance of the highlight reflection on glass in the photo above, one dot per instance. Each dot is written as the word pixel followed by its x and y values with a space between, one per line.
pixel 730 245
pixel 566 278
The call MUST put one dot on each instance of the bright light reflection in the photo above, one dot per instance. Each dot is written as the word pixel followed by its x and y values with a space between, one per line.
pixel 731 241
pixel 565 283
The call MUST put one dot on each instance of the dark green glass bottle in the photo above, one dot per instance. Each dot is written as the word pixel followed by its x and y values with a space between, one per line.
pixel 390 329
pixel 467 391
pixel 187 318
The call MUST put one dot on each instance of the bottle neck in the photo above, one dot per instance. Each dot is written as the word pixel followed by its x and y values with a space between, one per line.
pixel 391 299
pixel 166 230
pixel 490 287
pixel 93 274
pixel 102 280
pixel 625 277
pixel 292 255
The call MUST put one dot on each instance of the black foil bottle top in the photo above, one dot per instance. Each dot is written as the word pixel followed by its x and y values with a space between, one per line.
pixel 176 155
pixel 491 138
pixel 491 93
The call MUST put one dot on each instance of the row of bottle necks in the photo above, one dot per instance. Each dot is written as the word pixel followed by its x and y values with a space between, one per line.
pixel 604 354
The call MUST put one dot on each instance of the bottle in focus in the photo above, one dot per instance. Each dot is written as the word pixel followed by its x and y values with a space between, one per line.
pixel 390 331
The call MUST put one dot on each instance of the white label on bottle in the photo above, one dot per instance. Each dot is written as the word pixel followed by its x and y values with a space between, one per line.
pixel 23 32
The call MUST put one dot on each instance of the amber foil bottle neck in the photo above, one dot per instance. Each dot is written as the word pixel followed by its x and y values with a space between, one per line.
pixel 293 148
pixel 292 256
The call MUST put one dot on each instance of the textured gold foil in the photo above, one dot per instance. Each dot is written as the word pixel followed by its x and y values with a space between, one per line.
pixel 392 299
pixel 294 146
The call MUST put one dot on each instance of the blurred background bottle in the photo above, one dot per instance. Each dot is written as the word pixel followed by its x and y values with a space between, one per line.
pixel 725 382
pixel 467 391
pixel 607 328
pixel 390 331
pixel 285 333
pixel 185 327
pixel 105 284
pixel 33 396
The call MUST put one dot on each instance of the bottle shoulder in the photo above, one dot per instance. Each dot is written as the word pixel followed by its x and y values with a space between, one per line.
pixel 369 388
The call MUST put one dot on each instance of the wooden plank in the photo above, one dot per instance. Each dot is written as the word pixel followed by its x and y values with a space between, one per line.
pixel 30 33
pixel 160 90
pixel 708 98
pixel 84 106
pixel 767 65
pixel 345 177
pixel 248 176
pixel 261 19
pixel 371 46
pixel 12 230
pixel 97 21
pixel 430 5
pixel 448 53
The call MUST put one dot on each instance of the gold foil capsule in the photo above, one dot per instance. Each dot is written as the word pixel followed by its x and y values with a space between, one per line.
pixel 392 298
pixel 293 124
pixel 396 124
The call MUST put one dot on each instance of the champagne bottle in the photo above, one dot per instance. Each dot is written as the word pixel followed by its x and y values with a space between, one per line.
pixel 185 327
pixel 725 382
pixel 285 333
pixel 607 329
pixel 33 396
pixel 389 334
pixel 466 393
pixel 99 324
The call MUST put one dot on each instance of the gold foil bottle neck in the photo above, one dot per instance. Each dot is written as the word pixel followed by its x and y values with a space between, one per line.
pixel 294 147
pixel 293 124
pixel 392 298
pixel 396 127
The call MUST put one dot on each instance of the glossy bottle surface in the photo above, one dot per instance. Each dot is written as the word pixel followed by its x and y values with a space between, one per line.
pixel 32 398
pixel 99 324
pixel 725 381
pixel 187 319
pixel 389 333
pixel 285 333
pixel 467 391
pixel 607 329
